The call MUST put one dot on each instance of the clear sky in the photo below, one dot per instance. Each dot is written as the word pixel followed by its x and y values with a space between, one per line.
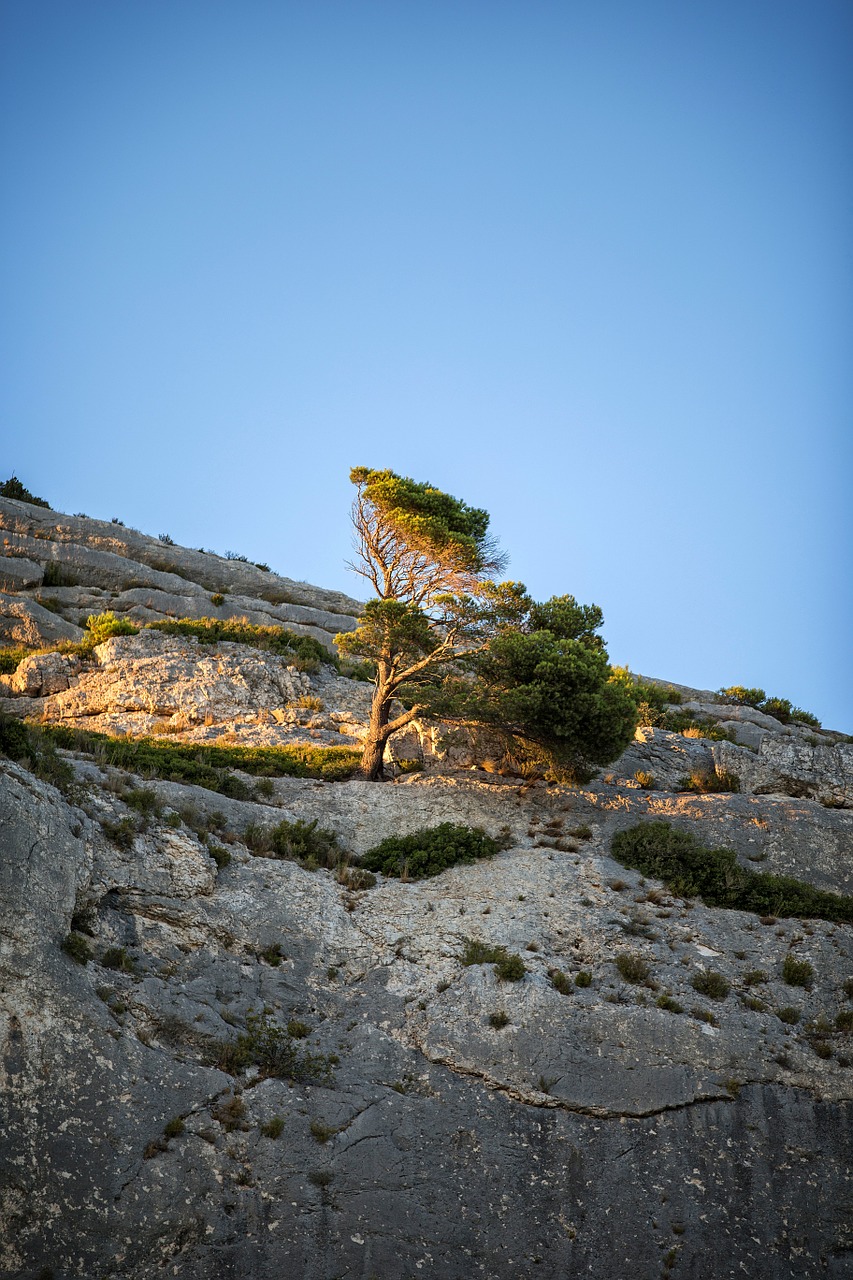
pixel 585 263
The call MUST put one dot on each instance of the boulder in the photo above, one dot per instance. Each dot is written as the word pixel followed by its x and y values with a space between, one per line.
pixel 27 623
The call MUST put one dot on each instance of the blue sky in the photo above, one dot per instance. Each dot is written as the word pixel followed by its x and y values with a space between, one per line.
pixel 587 265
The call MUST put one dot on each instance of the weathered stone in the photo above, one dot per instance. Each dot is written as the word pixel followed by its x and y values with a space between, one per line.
pixel 24 622
pixel 43 674
pixel 17 573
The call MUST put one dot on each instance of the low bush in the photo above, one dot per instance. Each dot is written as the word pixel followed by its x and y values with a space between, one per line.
pixel 560 982
pixel 274 1052
pixel 712 984
pixel 102 626
pixel 583 979
pixel 789 1014
pixel 691 869
pixel 273 1128
pixel 499 1020
pixel 27 745
pixel 12 488
pixel 780 708
pixel 304 652
pixel 205 765
pixel 174 1128
pixel 11 657
pixel 632 967
pixel 669 1004
pixel 694 726
pixel 508 966
pixel 303 842
pixel 710 781
pixel 78 948
pixel 797 973
pixel 429 851
pixel 646 780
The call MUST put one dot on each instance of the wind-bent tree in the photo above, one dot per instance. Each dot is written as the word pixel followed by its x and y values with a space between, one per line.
pixel 469 650
pixel 430 561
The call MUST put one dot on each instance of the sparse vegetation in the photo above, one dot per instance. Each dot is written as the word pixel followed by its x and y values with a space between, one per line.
pixel 273 1128
pixel 780 708
pixel 303 652
pixel 632 967
pixel 174 1128
pixel 583 979
pixel 321 1132
pixel 691 869
pixel 710 781
pixel 13 488
pixel 645 780
pixel 499 1020
pixel 274 1052
pixel 560 982
pixel 78 947
pixel 788 1014
pixel 712 984
pixel 670 1004
pixel 509 967
pixel 430 851
pixel 204 765
pixel 797 973
pixel 303 842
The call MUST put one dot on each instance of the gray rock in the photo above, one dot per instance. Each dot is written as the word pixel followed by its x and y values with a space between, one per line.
pixel 17 573
pixel 27 623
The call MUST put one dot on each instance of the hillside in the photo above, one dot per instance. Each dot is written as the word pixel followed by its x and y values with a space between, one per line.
pixel 227 1053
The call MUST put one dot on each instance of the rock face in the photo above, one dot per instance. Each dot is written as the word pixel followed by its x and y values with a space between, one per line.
pixel 468 1127
pixel 80 566
pixel 414 1115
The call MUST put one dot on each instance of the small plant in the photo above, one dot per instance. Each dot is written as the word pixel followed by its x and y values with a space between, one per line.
pixel 231 1114
pixel 788 1014
pixel 165 539
pixel 499 1020
pixel 703 1015
pixel 273 1128
pixel 844 1021
pixel 273 955
pixel 122 833
pixel 583 979
pixel 632 967
pixel 217 599
pixel 102 626
pixel 220 855
pixel 78 948
pixel 847 988
pixel 321 1132
pixel 174 1128
pixel 669 1004
pixel 753 977
pixel 797 973
pixel 705 782
pixel 583 832
pixel 430 851
pixel 321 1178
pixel 560 982
pixel 298 1030
pixel 118 958
pixel 12 488
pixel 646 780
pixel 274 1052
pixel 508 966
pixel 306 702
pixel 712 984
pixel 689 868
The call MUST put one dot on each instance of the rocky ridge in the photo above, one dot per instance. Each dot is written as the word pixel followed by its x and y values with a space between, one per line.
pixel 462 1125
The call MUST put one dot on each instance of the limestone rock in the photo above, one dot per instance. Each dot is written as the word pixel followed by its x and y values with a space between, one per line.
pixel 794 767
pixel 24 622
pixel 17 573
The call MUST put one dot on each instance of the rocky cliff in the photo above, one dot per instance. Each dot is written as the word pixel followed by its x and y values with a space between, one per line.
pixel 218 1063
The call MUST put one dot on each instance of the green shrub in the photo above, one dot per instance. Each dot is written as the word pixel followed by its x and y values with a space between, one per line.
pixel 712 984
pixel 304 652
pixel 298 1030
pixel 691 869
pixel 429 851
pixel 710 781
pixel 145 801
pixel 273 1128
pixel 754 976
pixel 12 488
pixel 299 841
pixel 78 948
pixel 847 988
pixel 694 726
pixel 632 967
pixel 780 708
pixel 274 1052
pixel 203 765
pixel 797 973
pixel 560 982
pixel 101 626
pixel 508 966
pixel 583 832
pixel 583 979
pixel 11 658
pixel 220 855
pixel 118 958
pixel 28 746
pixel 15 740
pixel 646 780
pixel 121 833
pixel 321 1132
pixel 499 1020
pixel 174 1128
pixel 788 1014
pixel 669 1004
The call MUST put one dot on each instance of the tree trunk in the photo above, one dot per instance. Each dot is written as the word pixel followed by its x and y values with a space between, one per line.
pixel 377 736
